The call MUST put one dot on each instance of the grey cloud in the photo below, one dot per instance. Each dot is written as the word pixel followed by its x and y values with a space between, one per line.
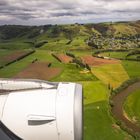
pixel 52 11
pixel 62 14
pixel 3 3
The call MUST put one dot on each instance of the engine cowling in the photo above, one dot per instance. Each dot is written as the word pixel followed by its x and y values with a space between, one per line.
pixel 39 110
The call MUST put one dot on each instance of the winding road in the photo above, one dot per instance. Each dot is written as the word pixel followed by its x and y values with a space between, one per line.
pixel 117 109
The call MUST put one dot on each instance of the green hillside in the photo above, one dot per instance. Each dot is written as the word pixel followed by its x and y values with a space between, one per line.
pixel 75 36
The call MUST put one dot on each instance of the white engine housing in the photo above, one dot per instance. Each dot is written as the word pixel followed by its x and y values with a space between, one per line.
pixel 39 110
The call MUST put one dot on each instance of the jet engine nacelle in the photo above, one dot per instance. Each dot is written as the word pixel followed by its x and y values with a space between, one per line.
pixel 39 110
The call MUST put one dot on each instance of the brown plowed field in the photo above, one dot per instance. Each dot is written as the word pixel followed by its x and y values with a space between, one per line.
pixel 39 70
pixel 14 56
pixel 94 61
pixel 64 58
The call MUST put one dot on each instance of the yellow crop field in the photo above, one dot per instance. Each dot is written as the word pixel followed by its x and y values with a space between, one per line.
pixel 112 74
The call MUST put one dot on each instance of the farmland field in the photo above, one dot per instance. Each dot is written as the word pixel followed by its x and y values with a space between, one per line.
pixel 72 73
pixel 63 58
pixel 96 108
pixel 94 61
pixel 115 54
pixel 3 53
pixel 39 70
pixel 132 68
pixel 12 56
pixel 91 91
pixel 112 75
pixel 132 106
pixel 22 64
pixel 15 45
pixel 104 127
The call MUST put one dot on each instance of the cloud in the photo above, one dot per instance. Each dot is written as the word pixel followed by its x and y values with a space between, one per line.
pixel 35 12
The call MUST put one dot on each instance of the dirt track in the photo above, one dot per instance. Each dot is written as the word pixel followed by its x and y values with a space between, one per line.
pixel 117 109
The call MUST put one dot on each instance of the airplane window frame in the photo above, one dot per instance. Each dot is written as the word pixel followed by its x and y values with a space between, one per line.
pixel 7 134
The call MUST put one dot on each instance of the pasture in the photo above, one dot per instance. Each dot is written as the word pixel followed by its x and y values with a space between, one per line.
pixel 98 124
pixel 73 73
pixel 132 106
pixel 132 68
pixel 15 45
pixel 118 55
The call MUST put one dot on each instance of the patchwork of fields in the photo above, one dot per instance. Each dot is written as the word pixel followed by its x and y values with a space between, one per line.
pixel 98 123
pixel 101 57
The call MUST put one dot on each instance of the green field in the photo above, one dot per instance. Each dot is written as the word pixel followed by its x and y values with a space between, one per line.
pixel 95 91
pixel 98 124
pixel 132 68
pixel 15 45
pixel 61 44
pixel 112 74
pixel 72 73
pixel 119 55
pixel 82 53
pixel 115 54
pixel 3 53
pixel 132 107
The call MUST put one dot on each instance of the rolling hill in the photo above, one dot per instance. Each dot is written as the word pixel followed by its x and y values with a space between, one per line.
pixel 90 36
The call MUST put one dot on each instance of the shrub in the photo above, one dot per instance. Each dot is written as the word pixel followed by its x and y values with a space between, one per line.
pixel 34 60
pixel 88 67
pixel 55 56
pixel 49 65
pixel 133 52
pixel 111 103
pixel 70 54
pixel 79 62
pixel 69 42
pixel 40 44
pixel 110 50
pixel 125 85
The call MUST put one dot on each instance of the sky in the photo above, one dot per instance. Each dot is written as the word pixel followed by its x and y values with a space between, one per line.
pixel 42 12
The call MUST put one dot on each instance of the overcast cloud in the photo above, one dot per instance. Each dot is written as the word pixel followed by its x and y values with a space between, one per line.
pixel 37 12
